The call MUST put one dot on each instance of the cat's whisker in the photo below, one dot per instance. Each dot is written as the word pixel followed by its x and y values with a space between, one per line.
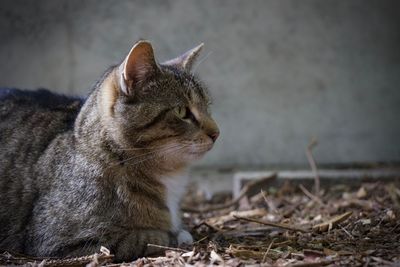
pixel 201 61
pixel 157 147
pixel 195 144
pixel 135 148
pixel 145 154
pixel 152 157
pixel 139 148
pixel 149 157
pixel 151 152
pixel 198 63
pixel 139 138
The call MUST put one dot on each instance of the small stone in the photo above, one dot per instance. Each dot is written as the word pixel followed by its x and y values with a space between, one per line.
pixel 365 221
pixel 390 214
pixel 361 193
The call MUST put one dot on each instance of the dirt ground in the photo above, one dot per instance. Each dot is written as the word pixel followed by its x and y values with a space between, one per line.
pixel 289 225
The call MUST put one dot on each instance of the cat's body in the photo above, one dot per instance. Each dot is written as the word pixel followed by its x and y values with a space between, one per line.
pixel 76 175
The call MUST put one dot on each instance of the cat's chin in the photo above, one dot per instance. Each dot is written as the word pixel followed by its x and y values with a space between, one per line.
pixel 196 155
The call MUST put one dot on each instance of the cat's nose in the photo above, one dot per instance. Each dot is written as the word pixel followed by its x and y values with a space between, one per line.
pixel 214 136
pixel 210 128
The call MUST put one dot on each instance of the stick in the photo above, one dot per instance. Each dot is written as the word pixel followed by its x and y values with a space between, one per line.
pixel 313 165
pixel 347 232
pixel 20 259
pixel 278 225
pixel 266 253
pixel 312 264
pixel 308 193
pixel 327 225
pixel 269 204
pixel 201 239
pixel 245 190
pixel 216 229
pixel 168 248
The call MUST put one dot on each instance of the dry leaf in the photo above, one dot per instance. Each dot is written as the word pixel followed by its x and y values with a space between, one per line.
pixel 330 252
pixel 328 225
pixel 215 257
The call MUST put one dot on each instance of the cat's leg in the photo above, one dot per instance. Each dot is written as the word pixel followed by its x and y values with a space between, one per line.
pixel 176 187
pixel 135 244
pixel 184 237
pixel 70 248
pixel 126 246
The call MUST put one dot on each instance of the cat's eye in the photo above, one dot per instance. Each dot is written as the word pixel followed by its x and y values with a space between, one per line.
pixel 181 112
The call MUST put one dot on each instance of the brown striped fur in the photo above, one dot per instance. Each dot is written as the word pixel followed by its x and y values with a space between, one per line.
pixel 79 174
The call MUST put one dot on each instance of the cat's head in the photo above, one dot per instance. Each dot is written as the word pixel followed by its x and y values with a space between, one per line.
pixel 158 110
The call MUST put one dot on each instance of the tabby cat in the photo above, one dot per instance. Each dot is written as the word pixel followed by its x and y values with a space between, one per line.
pixel 105 171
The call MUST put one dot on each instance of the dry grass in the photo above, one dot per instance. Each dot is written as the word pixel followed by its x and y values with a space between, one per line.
pixel 345 225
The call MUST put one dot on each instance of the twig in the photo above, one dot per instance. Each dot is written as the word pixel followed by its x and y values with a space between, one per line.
pixel 266 252
pixel 269 204
pixel 312 264
pixel 167 248
pixel 394 228
pixel 215 228
pixel 245 190
pixel 313 165
pixel 310 195
pixel 78 261
pixel 329 224
pixel 201 239
pixel 278 225
pixel 347 232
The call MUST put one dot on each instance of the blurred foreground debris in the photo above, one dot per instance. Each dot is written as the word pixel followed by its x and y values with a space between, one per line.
pixel 97 259
pixel 346 225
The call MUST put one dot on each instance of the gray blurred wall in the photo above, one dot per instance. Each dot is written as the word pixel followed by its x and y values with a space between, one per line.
pixel 280 71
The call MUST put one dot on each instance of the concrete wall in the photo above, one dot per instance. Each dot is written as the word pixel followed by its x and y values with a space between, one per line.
pixel 280 71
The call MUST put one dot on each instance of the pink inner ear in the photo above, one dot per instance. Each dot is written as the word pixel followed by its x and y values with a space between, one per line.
pixel 186 60
pixel 140 62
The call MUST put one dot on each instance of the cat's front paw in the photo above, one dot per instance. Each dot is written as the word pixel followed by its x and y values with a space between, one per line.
pixel 184 237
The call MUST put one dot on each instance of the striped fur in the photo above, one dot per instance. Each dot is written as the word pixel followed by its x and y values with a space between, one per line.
pixel 77 174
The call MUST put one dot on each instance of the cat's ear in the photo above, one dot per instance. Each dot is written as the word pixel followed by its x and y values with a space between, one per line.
pixel 186 60
pixel 137 67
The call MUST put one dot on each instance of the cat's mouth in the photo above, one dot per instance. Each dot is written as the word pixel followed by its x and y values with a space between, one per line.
pixel 199 150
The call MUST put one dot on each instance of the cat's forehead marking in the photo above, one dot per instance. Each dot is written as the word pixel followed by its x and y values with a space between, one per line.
pixel 197 94
pixel 187 86
pixel 194 97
